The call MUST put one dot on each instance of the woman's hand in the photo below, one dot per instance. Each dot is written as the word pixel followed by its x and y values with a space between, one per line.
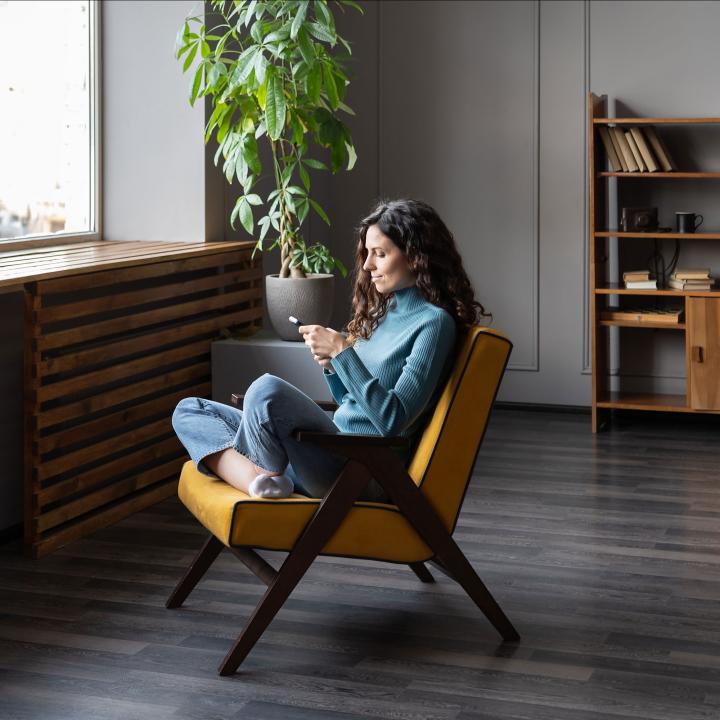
pixel 324 343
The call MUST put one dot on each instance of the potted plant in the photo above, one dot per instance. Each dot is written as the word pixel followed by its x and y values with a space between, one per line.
pixel 275 75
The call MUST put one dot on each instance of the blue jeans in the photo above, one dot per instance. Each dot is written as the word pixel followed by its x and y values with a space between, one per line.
pixel 263 432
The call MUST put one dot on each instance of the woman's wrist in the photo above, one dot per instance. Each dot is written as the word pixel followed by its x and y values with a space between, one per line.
pixel 341 345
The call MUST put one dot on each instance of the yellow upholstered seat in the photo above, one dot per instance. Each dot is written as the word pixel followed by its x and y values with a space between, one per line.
pixel 427 494
pixel 373 530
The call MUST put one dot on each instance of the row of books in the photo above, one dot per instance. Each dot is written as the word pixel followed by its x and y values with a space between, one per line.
pixel 679 280
pixel 636 149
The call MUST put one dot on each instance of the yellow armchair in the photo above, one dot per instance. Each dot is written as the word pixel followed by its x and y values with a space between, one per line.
pixel 414 529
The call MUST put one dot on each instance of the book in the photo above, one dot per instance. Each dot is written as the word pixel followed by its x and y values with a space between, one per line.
pixel 618 151
pixel 641 284
pixel 636 275
pixel 670 315
pixel 636 153
pixel 690 284
pixel 660 149
pixel 625 149
pixel 701 274
pixel 610 149
pixel 645 151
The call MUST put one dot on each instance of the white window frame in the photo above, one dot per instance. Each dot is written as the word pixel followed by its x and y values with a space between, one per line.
pixel 96 214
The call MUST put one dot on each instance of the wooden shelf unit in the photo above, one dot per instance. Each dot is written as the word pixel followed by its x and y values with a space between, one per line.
pixel 701 325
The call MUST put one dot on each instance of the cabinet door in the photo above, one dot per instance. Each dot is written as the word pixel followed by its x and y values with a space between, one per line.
pixel 703 348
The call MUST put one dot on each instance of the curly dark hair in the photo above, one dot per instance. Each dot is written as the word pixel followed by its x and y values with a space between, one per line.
pixel 431 254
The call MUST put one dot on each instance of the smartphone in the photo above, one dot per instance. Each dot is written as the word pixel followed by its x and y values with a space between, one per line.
pixel 295 321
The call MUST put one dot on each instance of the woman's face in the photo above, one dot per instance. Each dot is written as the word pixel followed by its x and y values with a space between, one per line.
pixel 386 263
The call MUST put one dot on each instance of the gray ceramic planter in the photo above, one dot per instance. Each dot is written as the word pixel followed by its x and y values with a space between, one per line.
pixel 310 298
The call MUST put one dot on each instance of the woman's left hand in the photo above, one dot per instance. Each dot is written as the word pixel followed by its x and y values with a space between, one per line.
pixel 323 342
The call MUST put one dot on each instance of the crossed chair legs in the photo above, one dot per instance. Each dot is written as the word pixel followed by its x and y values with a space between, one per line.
pixel 386 466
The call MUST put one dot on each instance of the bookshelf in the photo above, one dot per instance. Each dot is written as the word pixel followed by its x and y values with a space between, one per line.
pixel 699 330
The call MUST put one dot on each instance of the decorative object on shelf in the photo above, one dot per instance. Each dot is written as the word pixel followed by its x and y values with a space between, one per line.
pixel 686 222
pixel 639 219
pixel 272 71
pixel 700 299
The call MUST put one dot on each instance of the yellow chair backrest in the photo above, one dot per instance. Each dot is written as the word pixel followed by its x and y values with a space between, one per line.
pixel 445 454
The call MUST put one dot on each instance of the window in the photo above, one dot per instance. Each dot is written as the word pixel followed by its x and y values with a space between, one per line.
pixel 48 119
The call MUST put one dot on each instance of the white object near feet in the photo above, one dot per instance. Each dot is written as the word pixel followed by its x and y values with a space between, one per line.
pixel 271 486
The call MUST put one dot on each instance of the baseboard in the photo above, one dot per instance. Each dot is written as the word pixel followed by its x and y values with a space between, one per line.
pixel 543 407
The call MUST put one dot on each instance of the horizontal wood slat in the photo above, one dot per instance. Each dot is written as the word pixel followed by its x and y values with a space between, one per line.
pixel 108 355
pixel 109 423
pixel 45 544
pixel 110 255
pixel 145 319
pixel 139 297
pixel 124 370
pixel 97 499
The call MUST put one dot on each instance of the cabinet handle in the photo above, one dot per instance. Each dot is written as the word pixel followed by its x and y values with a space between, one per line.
pixel 697 353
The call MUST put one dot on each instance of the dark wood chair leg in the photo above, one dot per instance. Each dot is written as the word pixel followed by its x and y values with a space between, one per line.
pixel 262 570
pixel 388 470
pixel 199 566
pixel 328 517
pixel 422 572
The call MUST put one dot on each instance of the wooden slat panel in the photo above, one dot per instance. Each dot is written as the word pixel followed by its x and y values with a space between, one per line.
pixel 138 297
pixel 144 319
pixel 108 356
pixel 112 492
pixel 120 348
pixel 142 272
pixel 121 418
pixel 122 441
pixel 95 403
pixel 98 475
pixel 47 544
pixel 126 370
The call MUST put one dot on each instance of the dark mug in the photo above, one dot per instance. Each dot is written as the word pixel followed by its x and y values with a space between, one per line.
pixel 687 222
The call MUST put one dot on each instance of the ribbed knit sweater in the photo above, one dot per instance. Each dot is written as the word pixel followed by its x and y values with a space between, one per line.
pixel 384 384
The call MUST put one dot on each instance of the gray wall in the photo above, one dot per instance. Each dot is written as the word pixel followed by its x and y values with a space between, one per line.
pixel 479 108
pixel 154 154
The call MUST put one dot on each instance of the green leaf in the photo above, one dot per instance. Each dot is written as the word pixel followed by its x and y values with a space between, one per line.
pixel 316 164
pixel 275 107
pixel 256 32
pixel 260 66
pixel 250 11
pixel 307 47
pixel 204 49
pixel 298 19
pixel 321 10
pixel 245 64
pixel 352 155
pixel 353 4
pixel 330 86
pixel 196 84
pixel 295 190
pixel 303 208
pixel 319 211
pixel 191 56
pixel 313 83
pixel 343 269
pixel 304 177
pixel 261 95
pixel 246 216
pixel 321 32
pixel 254 199
pixel 250 154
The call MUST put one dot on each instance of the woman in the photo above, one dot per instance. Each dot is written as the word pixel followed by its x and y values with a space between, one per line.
pixel 411 298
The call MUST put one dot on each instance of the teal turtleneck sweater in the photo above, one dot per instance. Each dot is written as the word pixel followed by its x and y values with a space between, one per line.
pixel 384 384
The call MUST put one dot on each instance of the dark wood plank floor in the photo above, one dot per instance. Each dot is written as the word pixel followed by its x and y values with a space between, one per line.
pixel 604 551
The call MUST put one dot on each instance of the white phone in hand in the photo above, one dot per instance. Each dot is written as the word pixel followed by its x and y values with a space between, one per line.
pixel 295 321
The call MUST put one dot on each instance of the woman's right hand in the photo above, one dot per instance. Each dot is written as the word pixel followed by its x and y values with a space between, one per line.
pixel 323 362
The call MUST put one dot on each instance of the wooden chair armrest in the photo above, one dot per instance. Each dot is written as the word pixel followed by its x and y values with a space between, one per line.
pixel 350 441
pixel 237 399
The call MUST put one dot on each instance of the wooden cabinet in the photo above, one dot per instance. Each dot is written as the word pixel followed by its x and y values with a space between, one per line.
pixel 703 352
pixel 701 326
